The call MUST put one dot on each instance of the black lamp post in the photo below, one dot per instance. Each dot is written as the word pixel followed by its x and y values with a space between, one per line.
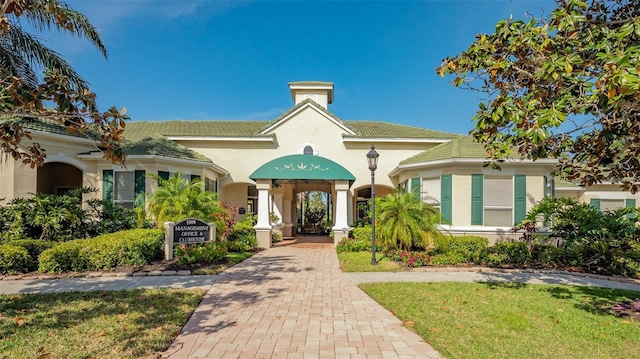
pixel 372 158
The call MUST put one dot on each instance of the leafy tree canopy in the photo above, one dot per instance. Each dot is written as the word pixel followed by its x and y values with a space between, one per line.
pixel 61 96
pixel 564 86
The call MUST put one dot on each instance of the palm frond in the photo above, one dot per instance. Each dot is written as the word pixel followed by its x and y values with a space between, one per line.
pixel 49 18
pixel 35 53
pixel 15 64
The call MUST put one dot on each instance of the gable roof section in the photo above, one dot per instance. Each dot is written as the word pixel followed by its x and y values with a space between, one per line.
pixel 460 147
pixel 297 109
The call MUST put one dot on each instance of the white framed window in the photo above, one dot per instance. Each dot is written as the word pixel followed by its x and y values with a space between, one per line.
pixel 498 201
pixel 431 191
pixel 124 188
pixel 611 204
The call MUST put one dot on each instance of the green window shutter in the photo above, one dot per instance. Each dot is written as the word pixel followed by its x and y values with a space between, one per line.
pixel 545 190
pixel 206 184
pixel 630 203
pixel 415 185
pixel 520 198
pixel 477 204
pixel 107 185
pixel 139 187
pixel 446 203
pixel 215 186
pixel 163 174
pixel 595 202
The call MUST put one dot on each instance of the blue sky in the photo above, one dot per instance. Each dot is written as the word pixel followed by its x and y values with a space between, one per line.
pixel 232 60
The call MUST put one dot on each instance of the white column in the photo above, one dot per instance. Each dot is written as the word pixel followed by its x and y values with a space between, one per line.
pixel 263 226
pixel 277 207
pixel 263 206
pixel 341 225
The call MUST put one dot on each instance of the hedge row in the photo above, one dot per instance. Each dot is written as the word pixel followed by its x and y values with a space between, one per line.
pixel 125 248
pixel 13 259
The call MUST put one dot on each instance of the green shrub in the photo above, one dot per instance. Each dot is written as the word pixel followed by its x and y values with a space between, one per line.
pixel 33 246
pixel 201 253
pixel 513 252
pixel 471 249
pixel 495 259
pixel 242 237
pixel 243 243
pixel 362 234
pixel 14 259
pixel 449 258
pixel 353 245
pixel 548 255
pixel 67 256
pixel 124 248
pixel 62 218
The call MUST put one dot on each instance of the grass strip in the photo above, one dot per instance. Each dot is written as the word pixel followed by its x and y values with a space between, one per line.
pixel 361 262
pixel 510 320
pixel 109 324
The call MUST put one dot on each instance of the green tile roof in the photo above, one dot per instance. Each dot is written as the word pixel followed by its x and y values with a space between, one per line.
pixel 194 128
pixel 561 182
pixel 158 145
pixel 33 124
pixel 460 147
pixel 393 130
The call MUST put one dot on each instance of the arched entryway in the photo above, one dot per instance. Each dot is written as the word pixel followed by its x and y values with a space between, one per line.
pixel 58 178
pixel 279 180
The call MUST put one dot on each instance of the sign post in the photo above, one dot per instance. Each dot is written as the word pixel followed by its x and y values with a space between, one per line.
pixel 188 231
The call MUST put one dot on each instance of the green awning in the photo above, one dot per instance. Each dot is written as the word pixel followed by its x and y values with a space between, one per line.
pixel 302 167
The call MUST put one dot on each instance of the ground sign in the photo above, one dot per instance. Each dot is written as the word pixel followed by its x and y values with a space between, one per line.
pixel 188 231
pixel 191 231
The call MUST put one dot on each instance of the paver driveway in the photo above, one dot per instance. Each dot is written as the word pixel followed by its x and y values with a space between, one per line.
pixel 293 302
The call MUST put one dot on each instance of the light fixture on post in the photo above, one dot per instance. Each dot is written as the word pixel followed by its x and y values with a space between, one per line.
pixel 372 158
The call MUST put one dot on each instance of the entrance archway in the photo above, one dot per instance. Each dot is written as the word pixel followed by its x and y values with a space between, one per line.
pixel 278 180
pixel 58 178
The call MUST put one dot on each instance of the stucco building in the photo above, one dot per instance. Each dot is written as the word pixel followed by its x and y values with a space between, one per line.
pixel 262 166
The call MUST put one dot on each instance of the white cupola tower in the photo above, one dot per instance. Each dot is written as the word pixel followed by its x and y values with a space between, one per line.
pixel 318 91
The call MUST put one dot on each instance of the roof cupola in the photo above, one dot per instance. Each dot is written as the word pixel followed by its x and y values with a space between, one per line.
pixel 318 91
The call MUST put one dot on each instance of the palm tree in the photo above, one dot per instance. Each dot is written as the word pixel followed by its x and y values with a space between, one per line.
pixel 24 55
pixel 178 198
pixel 405 222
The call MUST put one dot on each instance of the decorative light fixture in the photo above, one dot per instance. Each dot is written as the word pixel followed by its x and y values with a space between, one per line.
pixel 372 158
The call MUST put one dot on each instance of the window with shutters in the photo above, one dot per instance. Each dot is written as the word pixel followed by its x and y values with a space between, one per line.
pixel 498 201
pixel 124 188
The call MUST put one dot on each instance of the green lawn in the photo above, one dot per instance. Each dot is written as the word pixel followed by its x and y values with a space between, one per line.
pixel 361 262
pixel 124 324
pixel 491 320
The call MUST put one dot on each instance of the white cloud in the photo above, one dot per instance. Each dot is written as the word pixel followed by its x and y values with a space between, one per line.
pixel 107 14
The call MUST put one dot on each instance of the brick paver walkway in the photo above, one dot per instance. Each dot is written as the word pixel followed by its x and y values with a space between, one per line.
pixel 293 302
